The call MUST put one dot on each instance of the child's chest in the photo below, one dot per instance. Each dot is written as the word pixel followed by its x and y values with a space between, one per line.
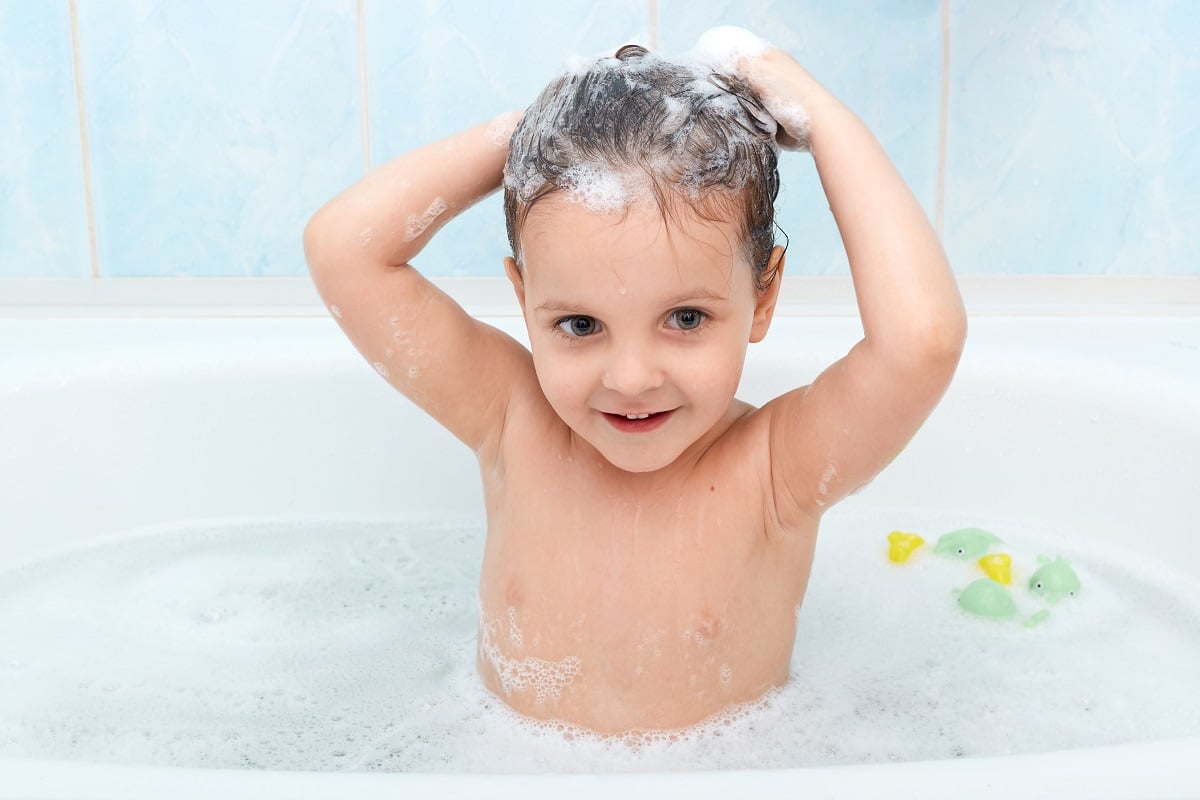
pixel 568 535
pixel 638 589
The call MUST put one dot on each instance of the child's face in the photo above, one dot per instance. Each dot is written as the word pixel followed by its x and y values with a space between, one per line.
pixel 628 316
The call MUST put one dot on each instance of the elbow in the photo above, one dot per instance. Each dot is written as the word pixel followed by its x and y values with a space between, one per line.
pixel 949 337
pixel 315 238
pixel 941 347
pixel 932 348
pixel 943 339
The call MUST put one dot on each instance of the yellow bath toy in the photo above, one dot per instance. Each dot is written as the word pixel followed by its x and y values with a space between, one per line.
pixel 901 545
pixel 998 567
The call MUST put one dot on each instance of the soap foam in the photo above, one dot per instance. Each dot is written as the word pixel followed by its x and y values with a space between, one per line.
pixel 500 129
pixel 546 678
pixel 417 225
pixel 612 183
pixel 351 645
pixel 723 48
pixel 599 189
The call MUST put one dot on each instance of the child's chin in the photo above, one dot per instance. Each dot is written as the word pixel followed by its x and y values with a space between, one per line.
pixel 627 462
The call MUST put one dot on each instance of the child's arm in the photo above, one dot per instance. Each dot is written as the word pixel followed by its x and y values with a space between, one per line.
pixel 358 246
pixel 832 437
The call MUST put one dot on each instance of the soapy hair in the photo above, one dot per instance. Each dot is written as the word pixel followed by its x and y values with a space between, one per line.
pixel 636 125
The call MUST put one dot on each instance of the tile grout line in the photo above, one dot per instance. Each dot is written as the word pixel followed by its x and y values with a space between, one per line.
pixel 362 84
pixel 88 204
pixel 943 123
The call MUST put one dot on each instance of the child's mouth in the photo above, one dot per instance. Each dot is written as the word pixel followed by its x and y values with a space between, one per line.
pixel 638 422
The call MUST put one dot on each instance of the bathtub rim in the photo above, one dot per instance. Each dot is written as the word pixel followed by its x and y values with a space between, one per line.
pixel 1108 771
pixel 1058 773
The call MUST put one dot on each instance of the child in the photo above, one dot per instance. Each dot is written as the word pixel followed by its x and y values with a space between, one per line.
pixel 649 536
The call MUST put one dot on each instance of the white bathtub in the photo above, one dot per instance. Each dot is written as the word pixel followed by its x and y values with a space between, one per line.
pixel 112 424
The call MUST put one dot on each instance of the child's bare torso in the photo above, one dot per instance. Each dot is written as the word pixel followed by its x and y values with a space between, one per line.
pixel 620 601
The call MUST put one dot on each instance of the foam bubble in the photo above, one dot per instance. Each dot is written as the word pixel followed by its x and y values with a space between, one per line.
pixel 351 645
pixel 598 188
pixel 794 120
pixel 417 225
pixel 722 48
pixel 500 129
pixel 828 475
pixel 546 678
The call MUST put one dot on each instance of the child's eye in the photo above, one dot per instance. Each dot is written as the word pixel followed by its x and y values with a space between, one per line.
pixel 578 326
pixel 687 319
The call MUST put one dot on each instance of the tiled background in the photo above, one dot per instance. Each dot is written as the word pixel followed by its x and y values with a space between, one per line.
pixel 211 130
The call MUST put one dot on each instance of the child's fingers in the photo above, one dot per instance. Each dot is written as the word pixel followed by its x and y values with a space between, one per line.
pixel 736 51
pixel 771 75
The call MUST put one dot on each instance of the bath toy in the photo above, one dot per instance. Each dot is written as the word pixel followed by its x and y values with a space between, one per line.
pixel 1055 579
pixel 986 598
pixel 1037 618
pixel 965 543
pixel 998 567
pixel 901 545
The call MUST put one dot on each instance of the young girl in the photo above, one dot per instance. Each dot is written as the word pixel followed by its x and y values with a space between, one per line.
pixel 649 535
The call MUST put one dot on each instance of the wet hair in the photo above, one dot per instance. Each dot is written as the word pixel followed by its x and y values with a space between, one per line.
pixel 637 124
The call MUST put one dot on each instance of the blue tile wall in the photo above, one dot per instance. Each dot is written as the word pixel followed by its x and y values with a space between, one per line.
pixel 212 124
pixel 43 221
pixel 214 129
pixel 1073 137
pixel 435 68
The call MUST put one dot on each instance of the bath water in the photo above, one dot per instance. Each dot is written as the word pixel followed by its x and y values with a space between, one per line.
pixel 350 645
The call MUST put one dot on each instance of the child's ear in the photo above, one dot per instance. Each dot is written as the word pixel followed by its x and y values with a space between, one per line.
pixel 518 280
pixel 765 309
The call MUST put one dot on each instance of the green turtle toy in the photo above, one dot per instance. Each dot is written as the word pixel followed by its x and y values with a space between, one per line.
pixel 986 598
pixel 965 543
pixel 1054 580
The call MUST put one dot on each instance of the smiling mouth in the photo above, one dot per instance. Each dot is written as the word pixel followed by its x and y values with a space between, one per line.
pixel 640 422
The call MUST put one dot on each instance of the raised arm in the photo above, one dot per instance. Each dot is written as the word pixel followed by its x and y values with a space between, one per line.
pixel 358 248
pixel 830 438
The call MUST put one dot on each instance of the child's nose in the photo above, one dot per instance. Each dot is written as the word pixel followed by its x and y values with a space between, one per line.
pixel 633 370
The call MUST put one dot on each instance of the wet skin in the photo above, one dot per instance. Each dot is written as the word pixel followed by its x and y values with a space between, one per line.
pixel 635 567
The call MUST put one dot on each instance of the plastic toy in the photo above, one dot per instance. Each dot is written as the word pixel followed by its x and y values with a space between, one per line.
pixel 986 598
pixel 1037 618
pixel 1054 580
pixel 998 567
pixel 989 597
pixel 901 545
pixel 965 543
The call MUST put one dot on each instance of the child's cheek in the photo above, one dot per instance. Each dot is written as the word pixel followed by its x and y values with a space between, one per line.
pixel 562 381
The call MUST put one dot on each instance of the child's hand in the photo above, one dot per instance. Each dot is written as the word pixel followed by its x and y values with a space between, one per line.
pixel 771 73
